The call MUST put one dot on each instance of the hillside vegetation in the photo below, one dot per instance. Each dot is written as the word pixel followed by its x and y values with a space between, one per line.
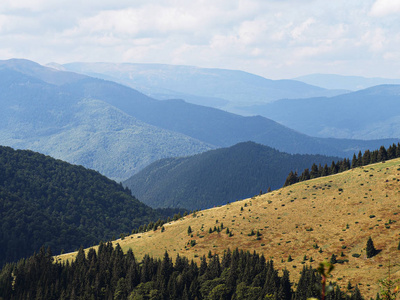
pixel 44 201
pixel 218 176
pixel 308 221
pixel 110 274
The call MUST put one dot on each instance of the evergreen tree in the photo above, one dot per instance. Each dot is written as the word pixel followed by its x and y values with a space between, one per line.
pixel 291 179
pixel 382 154
pixel 371 251
pixel 314 171
pixel 354 161
pixel 333 259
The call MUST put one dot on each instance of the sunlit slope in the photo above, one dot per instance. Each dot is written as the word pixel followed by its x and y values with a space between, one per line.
pixel 338 213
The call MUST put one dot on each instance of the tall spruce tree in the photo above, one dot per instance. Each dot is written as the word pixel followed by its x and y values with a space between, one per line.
pixel 371 251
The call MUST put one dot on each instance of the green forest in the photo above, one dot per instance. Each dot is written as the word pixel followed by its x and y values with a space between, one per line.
pixel 44 201
pixel 111 274
pixel 369 157
pixel 218 176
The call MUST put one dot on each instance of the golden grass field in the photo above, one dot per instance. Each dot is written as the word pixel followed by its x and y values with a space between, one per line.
pixel 338 213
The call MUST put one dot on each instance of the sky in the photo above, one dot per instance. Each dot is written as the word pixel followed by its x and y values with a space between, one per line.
pixel 272 38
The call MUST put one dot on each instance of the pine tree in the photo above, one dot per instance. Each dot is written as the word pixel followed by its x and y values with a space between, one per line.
pixel 291 179
pixel 382 154
pixel 354 161
pixel 371 251
pixel 333 259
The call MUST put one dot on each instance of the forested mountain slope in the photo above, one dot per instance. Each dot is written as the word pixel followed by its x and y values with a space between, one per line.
pixel 44 201
pixel 218 176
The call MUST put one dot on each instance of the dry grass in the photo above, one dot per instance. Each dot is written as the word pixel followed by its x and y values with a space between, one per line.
pixel 333 212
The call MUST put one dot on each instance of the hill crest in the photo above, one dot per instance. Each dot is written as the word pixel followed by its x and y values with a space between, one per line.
pixel 336 214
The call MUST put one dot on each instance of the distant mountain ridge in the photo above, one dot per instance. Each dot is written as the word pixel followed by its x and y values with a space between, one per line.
pixel 351 83
pixel 117 130
pixel 218 176
pixel 371 113
pixel 72 125
pixel 219 88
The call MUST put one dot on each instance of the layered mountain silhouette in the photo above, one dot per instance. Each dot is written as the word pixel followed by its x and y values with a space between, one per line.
pixel 351 83
pixel 219 88
pixel 371 113
pixel 118 131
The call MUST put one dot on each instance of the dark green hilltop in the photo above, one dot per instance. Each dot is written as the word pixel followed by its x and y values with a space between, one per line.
pixel 44 201
pixel 218 176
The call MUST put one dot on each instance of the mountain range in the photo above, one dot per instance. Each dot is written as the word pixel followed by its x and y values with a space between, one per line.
pixel 117 130
pixel 371 113
pixel 217 176
pixel 219 88
pixel 341 82
pixel 248 94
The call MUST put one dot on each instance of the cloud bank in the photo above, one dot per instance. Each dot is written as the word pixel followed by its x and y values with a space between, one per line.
pixel 275 39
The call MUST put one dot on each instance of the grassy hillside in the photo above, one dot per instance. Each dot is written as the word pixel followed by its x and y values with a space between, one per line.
pixel 218 176
pixel 337 213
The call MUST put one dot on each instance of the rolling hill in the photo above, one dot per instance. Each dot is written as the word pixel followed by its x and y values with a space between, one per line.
pixel 117 130
pixel 81 129
pixel 311 219
pixel 372 113
pixel 44 201
pixel 218 176
pixel 217 88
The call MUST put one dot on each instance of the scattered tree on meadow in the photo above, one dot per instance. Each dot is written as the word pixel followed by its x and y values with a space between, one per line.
pixel 371 251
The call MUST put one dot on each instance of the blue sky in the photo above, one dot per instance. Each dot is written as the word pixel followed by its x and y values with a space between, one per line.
pixel 272 38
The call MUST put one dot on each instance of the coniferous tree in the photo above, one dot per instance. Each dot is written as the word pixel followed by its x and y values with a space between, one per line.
pixel 354 161
pixel 291 179
pixel 314 171
pixel 325 171
pixel 382 154
pixel 371 251
pixel 366 158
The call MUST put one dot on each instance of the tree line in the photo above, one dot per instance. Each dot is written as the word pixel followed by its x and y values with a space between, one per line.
pixel 369 157
pixel 111 274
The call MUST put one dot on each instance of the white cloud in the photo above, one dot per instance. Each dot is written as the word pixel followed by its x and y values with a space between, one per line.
pixel 268 37
pixel 383 8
